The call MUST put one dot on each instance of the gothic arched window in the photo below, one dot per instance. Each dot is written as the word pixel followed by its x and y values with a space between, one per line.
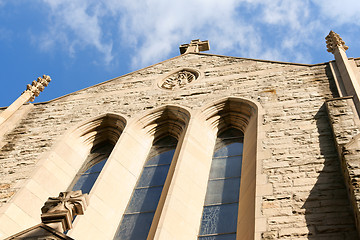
pixel 140 211
pixel 89 172
pixel 92 142
pixel 219 219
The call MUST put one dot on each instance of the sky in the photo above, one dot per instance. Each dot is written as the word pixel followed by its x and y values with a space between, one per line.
pixel 80 43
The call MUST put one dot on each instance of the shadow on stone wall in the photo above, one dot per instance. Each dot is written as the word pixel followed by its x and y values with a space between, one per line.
pixel 327 209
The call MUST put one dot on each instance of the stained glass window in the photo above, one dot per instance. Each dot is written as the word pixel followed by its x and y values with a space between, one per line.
pixel 137 220
pixel 219 219
pixel 86 177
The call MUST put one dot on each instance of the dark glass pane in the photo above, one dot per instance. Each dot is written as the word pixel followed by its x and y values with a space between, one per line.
pixel 219 219
pixel 230 133
pixel 226 167
pixel 223 191
pixel 144 200
pixel 167 141
pixel 220 237
pixel 153 176
pixel 104 148
pixel 134 227
pixel 85 182
pixel 229 150
pixel 145 197
pixel 161 158
pixel 92 167
pixel 97 167
pixel 162 151
pixel 223 188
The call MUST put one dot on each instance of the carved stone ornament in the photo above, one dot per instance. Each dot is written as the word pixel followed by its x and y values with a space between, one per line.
pixel 179 79
pixel 64 208
pixel 333 40
pixel 38 86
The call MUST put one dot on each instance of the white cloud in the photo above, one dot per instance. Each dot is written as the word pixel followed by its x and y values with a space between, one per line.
pixel 340 12
pixel 75 24
pixel 160 25
pixel 269 29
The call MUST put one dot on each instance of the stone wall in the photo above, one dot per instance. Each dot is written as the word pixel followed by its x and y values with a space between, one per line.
pixel 309 198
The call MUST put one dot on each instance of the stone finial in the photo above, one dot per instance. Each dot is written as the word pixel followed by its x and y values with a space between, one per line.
pixel 63 209
pixel 38 86
pixel 195 46
pixel 333 40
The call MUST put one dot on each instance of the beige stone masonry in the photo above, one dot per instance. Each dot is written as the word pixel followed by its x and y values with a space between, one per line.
pixel 300 192
pixel 346 128
pixel 12 121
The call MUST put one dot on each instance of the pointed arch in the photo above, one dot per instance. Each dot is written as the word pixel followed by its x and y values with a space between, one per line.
pixel 107 126
pixel 56 168
pixel 222 116
pixel 166 120
pixel 229 112
pixel 165 127
pixel 98 136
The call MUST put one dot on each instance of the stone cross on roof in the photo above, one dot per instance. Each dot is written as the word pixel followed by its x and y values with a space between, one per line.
pixel 195 46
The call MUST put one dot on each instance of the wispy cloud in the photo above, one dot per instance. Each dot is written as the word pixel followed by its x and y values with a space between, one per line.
pixel 340 12
pixel 272 29
pixel 75 25
pixel 156 27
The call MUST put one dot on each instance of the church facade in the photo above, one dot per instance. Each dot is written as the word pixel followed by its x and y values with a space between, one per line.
pixel 200 146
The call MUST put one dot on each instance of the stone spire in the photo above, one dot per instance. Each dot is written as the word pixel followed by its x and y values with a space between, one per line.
pixel 344 69
pixel 37 86
pixel 333 40
pixel 32 90
pixel 194 46
pixel 59 212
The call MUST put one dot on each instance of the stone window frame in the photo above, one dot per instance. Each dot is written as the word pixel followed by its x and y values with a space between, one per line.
pixel 180 208
pixel 167 120
pixel 102 219
pixel 241 114
pixel 105 128
pixel 181 204
pixel 140 214
pixel 97 156
pixel 223 141
pixel 184 204
pixel 56 169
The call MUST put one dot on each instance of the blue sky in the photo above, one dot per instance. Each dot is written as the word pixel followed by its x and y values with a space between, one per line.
pixel 80 43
